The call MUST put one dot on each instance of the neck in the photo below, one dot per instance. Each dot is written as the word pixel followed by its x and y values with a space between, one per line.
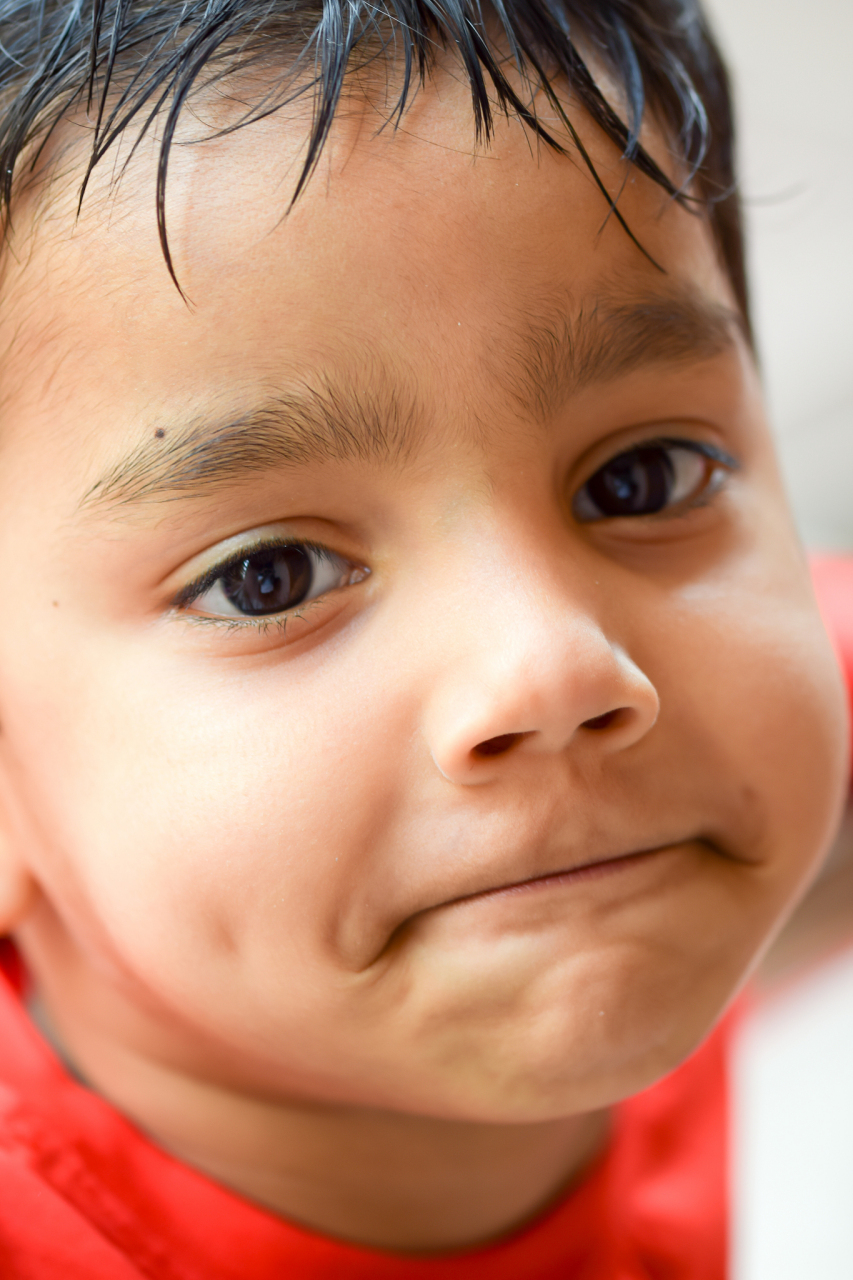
pixel 384 1179
pixel 378 1178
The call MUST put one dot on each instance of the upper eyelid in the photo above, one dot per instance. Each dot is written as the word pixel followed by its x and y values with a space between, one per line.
pixel 708 450
pixel 206 580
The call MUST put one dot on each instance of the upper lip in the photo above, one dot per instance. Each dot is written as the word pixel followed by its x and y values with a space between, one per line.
pixel 564 870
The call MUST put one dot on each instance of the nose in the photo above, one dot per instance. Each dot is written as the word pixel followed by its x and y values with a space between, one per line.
pixel 542 678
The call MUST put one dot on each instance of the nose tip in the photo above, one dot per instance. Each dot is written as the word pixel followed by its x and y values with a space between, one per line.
pixel 602 705
pixel 617 719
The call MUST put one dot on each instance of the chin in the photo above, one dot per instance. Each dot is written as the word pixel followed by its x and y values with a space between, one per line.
pixel 575 1055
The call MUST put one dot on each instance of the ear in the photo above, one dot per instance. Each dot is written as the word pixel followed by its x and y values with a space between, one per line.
pixel 17 886
pixel 16 894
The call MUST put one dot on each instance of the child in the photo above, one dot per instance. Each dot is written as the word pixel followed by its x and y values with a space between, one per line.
pixel 415 714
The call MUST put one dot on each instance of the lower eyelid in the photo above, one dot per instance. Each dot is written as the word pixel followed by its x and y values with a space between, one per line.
pixel 254 622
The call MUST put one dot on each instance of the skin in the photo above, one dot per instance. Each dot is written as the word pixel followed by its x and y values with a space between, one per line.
pixel 254 869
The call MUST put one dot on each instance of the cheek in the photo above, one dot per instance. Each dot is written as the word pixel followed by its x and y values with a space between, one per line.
pixel 198 827
pixel 758 702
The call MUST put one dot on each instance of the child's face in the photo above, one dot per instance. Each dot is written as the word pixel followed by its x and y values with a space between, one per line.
pixel 333 853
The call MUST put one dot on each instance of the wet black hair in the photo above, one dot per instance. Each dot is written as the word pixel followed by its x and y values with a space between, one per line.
pixel 126 62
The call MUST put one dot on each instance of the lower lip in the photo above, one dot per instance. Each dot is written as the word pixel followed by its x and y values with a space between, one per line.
pixel 592 871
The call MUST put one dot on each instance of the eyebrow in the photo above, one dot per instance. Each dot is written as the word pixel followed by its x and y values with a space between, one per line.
pixel 380 424
pixel 306 426
pixel 604 341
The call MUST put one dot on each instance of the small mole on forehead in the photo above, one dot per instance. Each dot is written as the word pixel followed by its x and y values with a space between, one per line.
pixel 159 433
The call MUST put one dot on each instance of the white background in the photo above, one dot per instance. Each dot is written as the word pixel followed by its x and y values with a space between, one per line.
pixel 793 67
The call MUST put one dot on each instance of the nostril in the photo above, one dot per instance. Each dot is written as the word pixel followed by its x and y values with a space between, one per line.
pixel 603 722
pixel 497 746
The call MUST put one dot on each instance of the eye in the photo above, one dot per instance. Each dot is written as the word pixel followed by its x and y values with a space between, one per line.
pixel 270 580
pixel 651 478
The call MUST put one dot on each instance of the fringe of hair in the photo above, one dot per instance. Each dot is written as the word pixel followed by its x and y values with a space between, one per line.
pixel 137 61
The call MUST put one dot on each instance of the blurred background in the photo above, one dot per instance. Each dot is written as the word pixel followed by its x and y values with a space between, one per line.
pixel 792 61
pixel 793 1080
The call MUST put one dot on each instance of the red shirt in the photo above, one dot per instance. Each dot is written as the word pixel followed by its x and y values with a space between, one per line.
pixel 84 1196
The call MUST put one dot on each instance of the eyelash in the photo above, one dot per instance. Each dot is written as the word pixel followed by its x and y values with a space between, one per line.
pixel 583 502
pixel 261 623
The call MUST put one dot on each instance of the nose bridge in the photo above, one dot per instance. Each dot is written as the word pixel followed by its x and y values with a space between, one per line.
pixel 515 609
pixel 525 658
pixel 524 647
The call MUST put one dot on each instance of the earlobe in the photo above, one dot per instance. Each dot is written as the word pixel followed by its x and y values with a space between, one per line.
pixel 17 885
pixel 17 888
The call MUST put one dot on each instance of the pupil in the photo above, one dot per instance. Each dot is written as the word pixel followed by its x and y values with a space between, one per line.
pixel 637 483
pixel 269 581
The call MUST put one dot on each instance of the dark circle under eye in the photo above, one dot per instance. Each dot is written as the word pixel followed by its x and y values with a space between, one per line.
pixel 269 581
pixel 636 483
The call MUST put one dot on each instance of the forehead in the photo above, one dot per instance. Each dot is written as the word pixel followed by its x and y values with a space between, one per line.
pixel 414 257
